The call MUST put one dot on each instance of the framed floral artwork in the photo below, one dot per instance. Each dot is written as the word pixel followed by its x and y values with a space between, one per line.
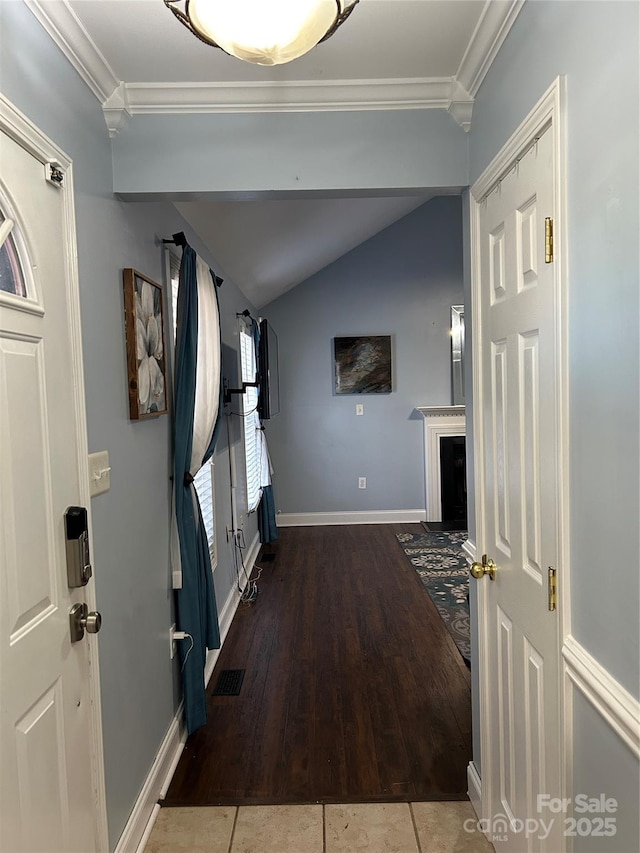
pixel 144 329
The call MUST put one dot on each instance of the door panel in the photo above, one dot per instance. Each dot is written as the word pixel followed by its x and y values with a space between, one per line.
pixel 518 528
pixel 530 425
pixel 47 791
pixel 501 462
pixel 31 594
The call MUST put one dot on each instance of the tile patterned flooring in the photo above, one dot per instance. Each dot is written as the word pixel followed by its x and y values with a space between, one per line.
pixel 369 827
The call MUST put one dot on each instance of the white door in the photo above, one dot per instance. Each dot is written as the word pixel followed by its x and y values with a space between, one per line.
pixel 517 413
pixel 48 778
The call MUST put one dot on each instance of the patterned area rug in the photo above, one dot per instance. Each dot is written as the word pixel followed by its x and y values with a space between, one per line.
pixel 439 560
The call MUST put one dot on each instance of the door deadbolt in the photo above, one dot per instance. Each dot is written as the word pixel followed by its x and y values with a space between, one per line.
pixel 77 546
pixel 81 620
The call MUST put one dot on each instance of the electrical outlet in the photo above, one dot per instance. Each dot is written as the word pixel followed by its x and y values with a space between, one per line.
pixel 359 408
pixel 173 648
pixel 362 482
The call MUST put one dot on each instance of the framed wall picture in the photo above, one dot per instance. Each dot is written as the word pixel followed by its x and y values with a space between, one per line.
pixel 362 364
pixel 144 329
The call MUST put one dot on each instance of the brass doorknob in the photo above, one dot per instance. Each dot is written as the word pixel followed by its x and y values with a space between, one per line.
pixel 486 567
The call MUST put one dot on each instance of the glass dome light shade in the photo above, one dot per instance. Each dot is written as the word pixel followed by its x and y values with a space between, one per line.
pixel 265 32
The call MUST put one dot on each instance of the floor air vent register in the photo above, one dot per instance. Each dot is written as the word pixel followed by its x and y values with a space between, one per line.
pixel 229 682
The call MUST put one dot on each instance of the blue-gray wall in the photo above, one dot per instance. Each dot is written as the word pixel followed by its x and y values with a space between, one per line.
pixel 595 44
pixel 328 152
pixel 130 523
pixel 402 283
pixel 607 766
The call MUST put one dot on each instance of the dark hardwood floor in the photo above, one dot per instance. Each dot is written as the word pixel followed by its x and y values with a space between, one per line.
pixel 354 690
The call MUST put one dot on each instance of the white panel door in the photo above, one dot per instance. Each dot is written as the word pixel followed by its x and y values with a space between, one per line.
pixel 47 785
pixel 519 506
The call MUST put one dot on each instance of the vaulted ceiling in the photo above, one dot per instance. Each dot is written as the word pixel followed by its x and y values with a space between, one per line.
pixel 390 54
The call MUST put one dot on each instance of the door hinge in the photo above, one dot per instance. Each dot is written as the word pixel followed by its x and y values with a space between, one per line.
pixel 548 240
pixel 553 589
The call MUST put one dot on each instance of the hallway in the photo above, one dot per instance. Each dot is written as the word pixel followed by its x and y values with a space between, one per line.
pixel 353 692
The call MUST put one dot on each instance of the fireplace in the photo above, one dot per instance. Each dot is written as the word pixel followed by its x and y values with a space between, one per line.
pixel 445 462
pixel 453 479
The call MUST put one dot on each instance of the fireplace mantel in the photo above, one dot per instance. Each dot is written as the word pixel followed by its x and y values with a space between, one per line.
pixel 438 421
pixel 441 412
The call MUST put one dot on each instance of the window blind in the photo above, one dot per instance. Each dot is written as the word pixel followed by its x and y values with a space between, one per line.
pixel 252 443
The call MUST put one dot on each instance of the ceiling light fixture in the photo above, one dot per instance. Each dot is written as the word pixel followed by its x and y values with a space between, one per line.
pixel 265 32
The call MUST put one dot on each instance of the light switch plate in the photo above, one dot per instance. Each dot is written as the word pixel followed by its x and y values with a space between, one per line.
pixel 99 472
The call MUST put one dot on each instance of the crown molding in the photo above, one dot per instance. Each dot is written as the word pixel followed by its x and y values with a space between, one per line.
pixel 461 106
pixel 116 110
pixel 496 20
pixel 63 26
pixel 301 96
pixel 120 101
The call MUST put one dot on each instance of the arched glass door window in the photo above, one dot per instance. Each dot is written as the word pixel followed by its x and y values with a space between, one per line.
pixel 11 275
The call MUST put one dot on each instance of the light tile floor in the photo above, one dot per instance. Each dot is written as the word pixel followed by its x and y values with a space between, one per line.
pixel 370 827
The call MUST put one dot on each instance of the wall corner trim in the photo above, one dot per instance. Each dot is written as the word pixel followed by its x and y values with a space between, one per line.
pixel 470 550
pixel 116 110
pixel 145 811
pixel 461 106
pixel 386 516
pixel 474 788
pixel 617 707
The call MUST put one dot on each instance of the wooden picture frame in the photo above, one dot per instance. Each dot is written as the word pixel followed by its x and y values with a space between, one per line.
pixel 144 330
pixel 362 365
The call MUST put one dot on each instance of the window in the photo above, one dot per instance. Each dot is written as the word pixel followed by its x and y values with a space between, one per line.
pixel 252 437
pixel 204 479
pixel 11 278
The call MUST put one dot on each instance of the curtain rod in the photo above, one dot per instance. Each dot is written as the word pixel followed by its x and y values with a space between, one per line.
pixel 179 239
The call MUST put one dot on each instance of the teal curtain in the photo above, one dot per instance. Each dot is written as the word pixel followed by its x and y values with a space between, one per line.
pixel 195 601
pixel 267 517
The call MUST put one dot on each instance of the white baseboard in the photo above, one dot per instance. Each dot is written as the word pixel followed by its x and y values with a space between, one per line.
pixel 470 550
pixel 385 516
pixel 618 708
pixel 230 606
pixel 141 818
pixel 474 788
pixel 145 811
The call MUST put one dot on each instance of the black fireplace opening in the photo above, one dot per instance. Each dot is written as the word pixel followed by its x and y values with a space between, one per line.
pixel 453 480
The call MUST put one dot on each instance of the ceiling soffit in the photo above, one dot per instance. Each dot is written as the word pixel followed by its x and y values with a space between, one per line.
pixel 122 99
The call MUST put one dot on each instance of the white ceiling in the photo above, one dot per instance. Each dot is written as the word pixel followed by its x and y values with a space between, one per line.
pixel 137 58
pixel 143 42
pixel 271 246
